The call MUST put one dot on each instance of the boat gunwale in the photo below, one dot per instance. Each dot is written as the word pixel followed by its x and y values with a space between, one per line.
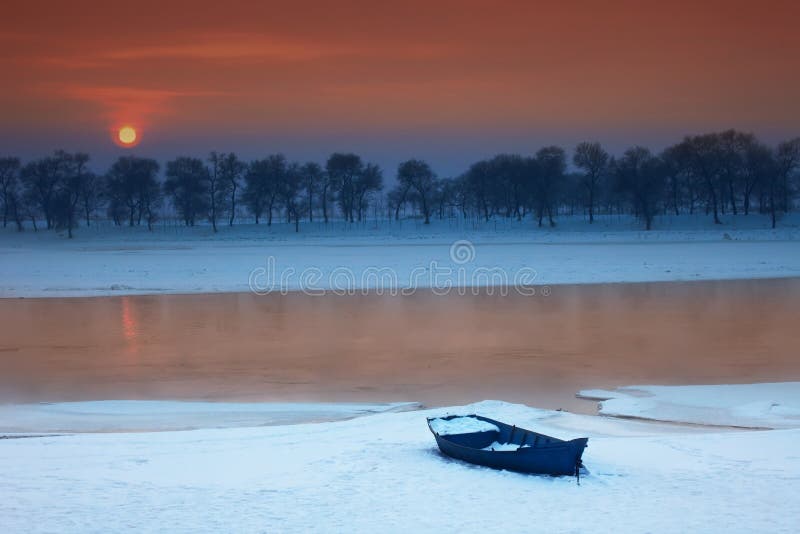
pixel 560 443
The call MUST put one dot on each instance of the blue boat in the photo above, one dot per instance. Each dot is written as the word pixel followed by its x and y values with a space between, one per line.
pixel 494 444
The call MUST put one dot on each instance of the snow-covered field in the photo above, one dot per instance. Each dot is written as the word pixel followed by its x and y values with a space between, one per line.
pixel 383 473
pixel 174 259
pixel 766 405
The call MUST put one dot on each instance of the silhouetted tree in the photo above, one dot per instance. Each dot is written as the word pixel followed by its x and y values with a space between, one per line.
pixel 705 158
pixel 312 177
pixel 509 185
pixel 368 181
pixel 92 195
pixel 69 189
pixel 787 165
pixel 41 180
pixel 219 184
pixel 444 196
pixel 548 173
pixel 263 181
pixel 641 176
pixel 417 176
pixel 342 171
pixel 9 180
pixel 593 161
pixel 292 184
pixel 678 176
pixel 231 170
pixel 187 184
pixel 132 187
pixel 757 165
pixel 478 179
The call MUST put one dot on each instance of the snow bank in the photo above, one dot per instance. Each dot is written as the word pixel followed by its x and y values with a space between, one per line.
pixel 461 425
pixel 767 405
pixel 120 261
pixel 384 472
pixel 135 415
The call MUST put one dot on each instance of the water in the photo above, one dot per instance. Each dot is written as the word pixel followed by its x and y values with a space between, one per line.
pixel 435 350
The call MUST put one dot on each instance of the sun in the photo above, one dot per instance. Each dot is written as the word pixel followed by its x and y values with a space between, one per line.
pixel 127 135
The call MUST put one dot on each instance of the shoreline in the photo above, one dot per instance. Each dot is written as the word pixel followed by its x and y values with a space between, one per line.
pixel 84 421
pixel 485 290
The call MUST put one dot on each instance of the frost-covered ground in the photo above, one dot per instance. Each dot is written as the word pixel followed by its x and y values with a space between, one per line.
pixel 173 259
pixel 775 405
pixel 383 473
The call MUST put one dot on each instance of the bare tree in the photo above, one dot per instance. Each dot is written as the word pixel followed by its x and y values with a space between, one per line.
pixel 69 189
pixel 91 195
pixel 9 178
pixel 132 187
pixel 548 173
pixel 313 178
pixel 41 179
pixel 231 170
pixel 758 164
pixel 787 165
pixel 187 184
pixel 218 187
pixel 417 176
pixel 593 161
pixel 343 170
pixel 263 185
pixel 291 185
pixel 368 181
pixel 478 181
pixel 641 175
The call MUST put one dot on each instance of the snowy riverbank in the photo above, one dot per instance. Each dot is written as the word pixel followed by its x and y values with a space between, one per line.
pixel 766 405
pixel 384 472
pixel 173 259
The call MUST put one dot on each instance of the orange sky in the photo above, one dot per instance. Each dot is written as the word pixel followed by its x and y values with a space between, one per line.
pixel 451 81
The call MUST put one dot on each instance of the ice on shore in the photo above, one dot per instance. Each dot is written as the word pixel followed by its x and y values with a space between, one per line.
pixel 146 416
pixel 765 405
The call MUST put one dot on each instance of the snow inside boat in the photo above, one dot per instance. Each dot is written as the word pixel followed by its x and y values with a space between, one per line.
pixel 483 441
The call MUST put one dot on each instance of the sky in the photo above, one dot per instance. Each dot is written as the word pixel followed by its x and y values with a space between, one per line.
pixel 450 82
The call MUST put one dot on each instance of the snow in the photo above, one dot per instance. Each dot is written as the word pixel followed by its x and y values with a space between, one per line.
pixel 138 415
pixel 500 447
pixel 764 405
pixel 384 472
pixel 461 425
pixel 116 261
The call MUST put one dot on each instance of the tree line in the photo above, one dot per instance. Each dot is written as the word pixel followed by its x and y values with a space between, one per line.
pixel 714 173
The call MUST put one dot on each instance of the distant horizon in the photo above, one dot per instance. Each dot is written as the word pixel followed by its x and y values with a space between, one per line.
pixel 103 157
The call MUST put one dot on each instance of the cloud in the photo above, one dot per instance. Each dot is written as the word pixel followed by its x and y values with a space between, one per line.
pixel 218 47
pixel 243 48
pixel 129 104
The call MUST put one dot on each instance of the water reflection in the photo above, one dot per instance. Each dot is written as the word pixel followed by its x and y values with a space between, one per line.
pixel 130 329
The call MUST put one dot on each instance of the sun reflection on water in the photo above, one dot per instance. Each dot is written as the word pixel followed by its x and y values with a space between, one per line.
pixel 130 326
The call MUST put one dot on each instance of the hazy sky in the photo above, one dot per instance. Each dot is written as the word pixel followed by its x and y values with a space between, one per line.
pixel 448 81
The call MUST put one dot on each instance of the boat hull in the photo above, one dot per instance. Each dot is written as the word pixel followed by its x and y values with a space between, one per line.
pixel 538 453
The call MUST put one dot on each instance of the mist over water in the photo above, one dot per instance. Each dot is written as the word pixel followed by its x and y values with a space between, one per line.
pixel 432 349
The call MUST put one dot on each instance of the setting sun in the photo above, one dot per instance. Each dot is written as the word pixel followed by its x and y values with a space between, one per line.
pixel 127 135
